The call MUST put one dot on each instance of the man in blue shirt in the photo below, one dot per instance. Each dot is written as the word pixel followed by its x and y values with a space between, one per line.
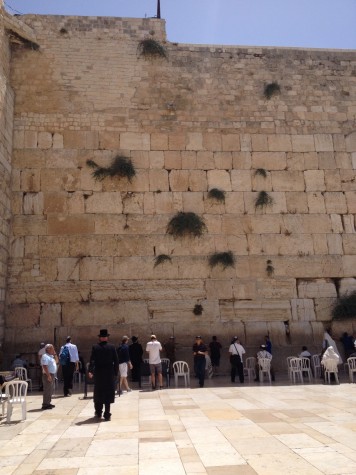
pixel 71 365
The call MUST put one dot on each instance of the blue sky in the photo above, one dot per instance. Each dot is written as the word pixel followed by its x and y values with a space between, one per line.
pixel 301 23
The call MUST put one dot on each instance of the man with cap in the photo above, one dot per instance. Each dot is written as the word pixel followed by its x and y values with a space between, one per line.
pixel 136 352
pixel 236 351
pixel 69 360
pixel 200 350
pixel 103 366
pixel 153 349
pixel 170 349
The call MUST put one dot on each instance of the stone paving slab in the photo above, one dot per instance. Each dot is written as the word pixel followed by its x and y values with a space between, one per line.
pixel 217 430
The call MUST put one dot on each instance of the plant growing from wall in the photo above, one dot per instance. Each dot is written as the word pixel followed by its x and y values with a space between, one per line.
pixel 271 89
pixel 225 259
pixel 263 199
pixel 269 268
pixel 186 223
pixel 20 41
pixel 161 259
pixel 151 48
pixel 198 309
pixel 344 307
pixel 216 194
pixel 261 172
pixel 120 166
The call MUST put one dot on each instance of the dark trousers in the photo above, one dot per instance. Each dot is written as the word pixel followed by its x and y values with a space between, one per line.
pixel 238 368
pixel 68 371
pixel 99 409
pixel 136 373
pixel 199 366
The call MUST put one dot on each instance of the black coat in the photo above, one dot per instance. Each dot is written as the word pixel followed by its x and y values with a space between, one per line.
pixel 104 364
pixel 136 352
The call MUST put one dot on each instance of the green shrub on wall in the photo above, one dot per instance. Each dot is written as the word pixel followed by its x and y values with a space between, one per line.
pixel 120 166
pixel 185 224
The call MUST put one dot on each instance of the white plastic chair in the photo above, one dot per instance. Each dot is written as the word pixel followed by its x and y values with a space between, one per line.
pixel 352 368
pixel 77 376
pixel 181 368
pixel 330 366
pixel 264 366
pixel 289 358
pixel 315 362
pixel 306 368
pixel 296 369
pixel 208 367
pixel 21 373
pixel 250 368
pixel 15 393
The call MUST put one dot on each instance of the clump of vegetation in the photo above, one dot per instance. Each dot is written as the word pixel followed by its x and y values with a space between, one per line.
pixel 161 259
pixel 17 40
pixel 263 199
pixel 183 224
pixel 217 195
pixel 225 259
pixel 63 31
pixel 198 309
pixel 345 307
pixel 120 166
pixel 261 172
pixel 271 89
pixel 269 268
pixel 151 48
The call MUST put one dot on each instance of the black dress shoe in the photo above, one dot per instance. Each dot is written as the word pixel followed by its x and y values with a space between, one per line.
pixel 107 417
pixel 97 414
pixel 47 406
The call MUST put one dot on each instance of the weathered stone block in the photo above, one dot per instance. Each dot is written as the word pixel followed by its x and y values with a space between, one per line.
pixel 332 180
pixel 287 181
pixel 54 246
pixel 212 142
pixel 30 139
pixel 323 308
pixel 219 179
pixel 23 315
pixel 30 180
pixel 318 288
pixel 50 315
pixel 60 179
pixel 158 180
pixel 334 244
pixel 347 286
pixel 316 202
pixel 269 160
pixel 335 202
pixel 55 203
pixel 44 140
pixel 70 225
pixel 323 143
pixel 314 180
pixel 193 202
pixel 96 268
pixel 350 142
pixel 159 141
pixel 230 143
pixel 68 268
pixel 198 180
pixel 33 203
pixel 179 180
pixel 259 143
pixel 241 160
pixel 302 310
pixel 223 160
pixel 135 141
pixel 104 202
pixel 156 159
pixel 241 180
pixel 205 161
pixel 296 202
pixel 351 201
pixel 303 143
pixel 234 203
pixel 172 160
pixel 279 143
pixel 176 141
pixel 194 141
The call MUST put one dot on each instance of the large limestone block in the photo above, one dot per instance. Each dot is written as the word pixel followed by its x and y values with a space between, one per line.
pixel 230 142
pixel 50 315
pixel 314 180
pixel 96 268
pixel 31 225
pixel 245 142
pixel 194 267
pixel 135 141
pixel 241 160
pixel 302 310
pixel 347 286
pixel 244 289
pixel 336 223
pixel 23 315
pixel 179 180
pixel 305 224
pixel 303 143
pixel 234 203
pixel 287 181
pixel 55 203
pixel 60 179
pixel 30 139
pixel 176 141
pixel 189 160
pixel 259 142
pixel 318 288
pixel 351 201
pixel 194 141
pixel 335 202
pixel 269 160
pixel 50 292
pixel 142 158
pixel 104 202
pixel 172 160
pixel 33 203
pixel 53 246
pixel 75 139
pixel 241 180
pixel 80 224
pixel 156 159
pixel 327 161
pixel 349 243
pixel 18 247
pixel 301 244
pixel 348 181
pixel 138 268
pixel 296 202
pixel 104 314
pixel 79 246
pixel 262 310
pixel 279 143
pixel 316 202
pixel 109 140
pixel 133 203
pixel 323 143
pixel 343 160
pixel 218 289
pixel 255 333
pixel 158 180
pixel 223 160
pixel 87 182
pixel 276 288
pixel 349 223
pixel 310 266
pixel 68 268
pixel 323 308
pixel 163 203
pixel 350 142
pixel 300 333
pixel 205 160
pixel 212 142
pixel 44 140
pixel 335 244
pixel 261 183
pixel 198 180
pixel 159 141
pixel 193 202
pixel 187 289
pixel 182 310
pixel 219 179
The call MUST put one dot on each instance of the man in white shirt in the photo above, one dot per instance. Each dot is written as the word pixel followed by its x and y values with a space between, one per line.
pixel 236 351
pixel 69 366
pixel 153 349
pixel 263 353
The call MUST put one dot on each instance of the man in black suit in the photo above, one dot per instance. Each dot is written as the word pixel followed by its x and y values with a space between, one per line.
pixel 103 366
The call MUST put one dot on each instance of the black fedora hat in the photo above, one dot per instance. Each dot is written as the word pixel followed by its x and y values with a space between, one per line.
pixel 103 333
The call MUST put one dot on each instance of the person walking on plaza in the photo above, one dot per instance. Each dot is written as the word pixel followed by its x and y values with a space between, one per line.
pixel 236 351
pixel 153 349
pixel 124 364
pixel 49 363
pixel 215 353
pixel 200 350
pixel 136 353
pixel 103 366
pixel 69 360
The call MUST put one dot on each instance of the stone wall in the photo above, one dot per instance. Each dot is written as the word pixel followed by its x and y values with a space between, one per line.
pixel 83 251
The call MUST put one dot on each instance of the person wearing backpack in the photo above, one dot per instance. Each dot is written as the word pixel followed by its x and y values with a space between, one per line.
pixel 236 351
pixel 69 361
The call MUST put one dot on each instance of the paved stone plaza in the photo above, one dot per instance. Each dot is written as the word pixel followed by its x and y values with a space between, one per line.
pixel 218 430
